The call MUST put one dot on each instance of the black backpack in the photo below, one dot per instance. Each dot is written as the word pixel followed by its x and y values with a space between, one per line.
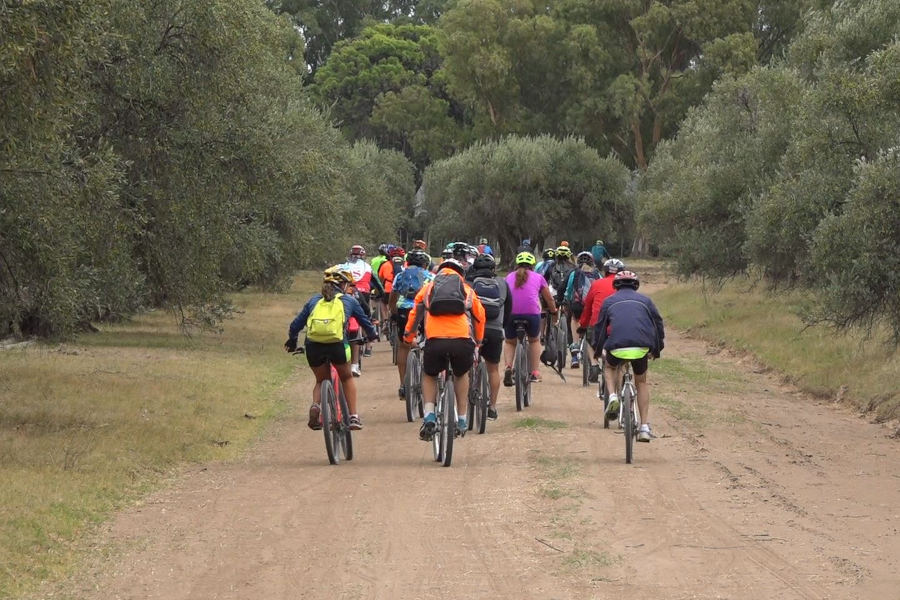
pixel 488 291
pixel 447 295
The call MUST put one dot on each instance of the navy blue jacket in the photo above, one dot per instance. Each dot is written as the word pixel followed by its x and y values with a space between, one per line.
pixel 634 323
pixel 352 308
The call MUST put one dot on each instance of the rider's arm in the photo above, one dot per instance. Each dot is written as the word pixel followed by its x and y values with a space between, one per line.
pixel 478 316
pixel 600 328
pixel 660 332
pixel 299 321
pixel 548 300
pixel 377 287
pixel 415 315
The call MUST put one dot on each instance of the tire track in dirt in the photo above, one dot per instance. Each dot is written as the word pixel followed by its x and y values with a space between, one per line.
pixel 771 495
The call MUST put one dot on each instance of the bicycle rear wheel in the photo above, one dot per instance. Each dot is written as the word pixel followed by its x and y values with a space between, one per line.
pixel 604 396
pixel 413 385
pixel 562 343
pixel 344 426
pixel 628 417
pixel 520 367
pixel 436 441
pixel 484 396
pixel 329 422
pixel 394 342
pixel 448 424
pixel 585 362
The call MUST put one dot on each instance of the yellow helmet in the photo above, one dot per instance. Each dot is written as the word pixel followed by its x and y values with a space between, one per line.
pixel 338 276
pixel 525 258
pixel 564 251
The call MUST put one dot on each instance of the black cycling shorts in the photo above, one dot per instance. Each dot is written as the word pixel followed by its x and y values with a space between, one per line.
pixel 492 347
pixel 639 366
pixel 317 353
pixel 457 354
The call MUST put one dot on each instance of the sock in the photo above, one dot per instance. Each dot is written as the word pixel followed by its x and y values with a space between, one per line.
pixel 428 408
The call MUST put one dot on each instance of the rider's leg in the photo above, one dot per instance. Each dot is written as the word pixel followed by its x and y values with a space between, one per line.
pixel 461 387
pixel 509 352
pixel 534 353
pixel 322 373
pixel 643 397
pixel 402 355
pixel 493 371
pixel 429 392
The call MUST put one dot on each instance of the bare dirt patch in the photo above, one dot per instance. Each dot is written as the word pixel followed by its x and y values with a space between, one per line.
pixel 751 491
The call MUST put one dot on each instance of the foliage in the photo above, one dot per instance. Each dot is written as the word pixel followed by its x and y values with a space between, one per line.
pixel 324 23
pixel 525 187
pixel 793 169
pixel 386 85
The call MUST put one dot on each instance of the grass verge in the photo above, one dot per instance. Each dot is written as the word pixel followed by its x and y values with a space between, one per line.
pixel 747 317
pixel 87 427
pixel 538 423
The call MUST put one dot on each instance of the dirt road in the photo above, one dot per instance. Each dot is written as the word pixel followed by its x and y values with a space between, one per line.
pixel 751 491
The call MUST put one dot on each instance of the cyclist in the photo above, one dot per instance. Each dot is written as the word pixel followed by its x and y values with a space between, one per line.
pixel 421 245
pixel 494 294
pixel 334 284
pixel 525 246
pixel 577 287
pixel 406 285
pixel 484 248
pixel 635 330
pixel 453 319
pixel 558 276
pixel 598 251
pixel 600 291
pixel 364 283
pixel 527 289
pixel 381 258
pixel 546 261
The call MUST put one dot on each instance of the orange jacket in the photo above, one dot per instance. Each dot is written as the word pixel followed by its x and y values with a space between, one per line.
pixel 470 325
pixel 386 275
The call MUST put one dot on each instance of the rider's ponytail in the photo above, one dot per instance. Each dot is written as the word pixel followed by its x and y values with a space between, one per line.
pixel 522 275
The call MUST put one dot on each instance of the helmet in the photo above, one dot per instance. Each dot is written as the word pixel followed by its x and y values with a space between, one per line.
pixel 418 258
pixel 564 243
pixel 337 276
pixel 396 252
pixel 626 278
pixel 564 252
pixel 483 241
pixel 485 261
pixel 525 259
pixel 447 252
pixel 383 249
pixel 472 251
pixel 585 258
pixel 613 265
pixel 598 243
pixel 358 251
pixel 459 250
pixel 548 254
pixel 452 263
pixel 420 244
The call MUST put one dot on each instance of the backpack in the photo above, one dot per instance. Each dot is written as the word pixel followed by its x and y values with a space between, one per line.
pixel 325 324
pixel 559 276
pixel 582 284
pixel 409 282
pixel 447 296
pixel 488 291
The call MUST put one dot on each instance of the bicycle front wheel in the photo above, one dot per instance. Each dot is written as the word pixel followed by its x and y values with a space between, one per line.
pixel 329 422
pixel 629 424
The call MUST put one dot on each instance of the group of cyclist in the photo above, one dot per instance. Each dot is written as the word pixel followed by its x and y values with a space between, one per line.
pixel 460 307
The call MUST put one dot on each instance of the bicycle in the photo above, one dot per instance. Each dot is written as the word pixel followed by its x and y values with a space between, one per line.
pixel 393 338
pixel 521 367
pixel 413 384
pixel 585 361
pixel 445 413
pixel 629 419
pixel 334 416
pixel 479 394
pixel 562 337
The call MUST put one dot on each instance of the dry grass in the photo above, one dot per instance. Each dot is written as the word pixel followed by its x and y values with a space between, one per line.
pixel 838 365
pixel 89 426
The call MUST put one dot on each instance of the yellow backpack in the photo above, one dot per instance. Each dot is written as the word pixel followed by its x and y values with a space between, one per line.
pixel 325 324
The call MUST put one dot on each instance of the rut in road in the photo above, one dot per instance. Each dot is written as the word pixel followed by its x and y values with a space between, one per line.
pixel 751 491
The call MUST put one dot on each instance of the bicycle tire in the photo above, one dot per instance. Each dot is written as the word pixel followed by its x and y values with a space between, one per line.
pixel 520 383
pixel 628 417
pixel 585 363
pixel 604 397
pixel 526 377
pixel 484 396
pixel 327 406
pixel 562 343
pixel 413 384
pixel 344 427
pixel 473 398
pixel 449 423
pixel 436 445
pixel 394 343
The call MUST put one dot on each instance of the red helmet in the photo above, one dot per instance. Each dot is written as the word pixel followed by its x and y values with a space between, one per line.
pixel 396 252
pixel 358 251
pixel 626 278
pixel 420 244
